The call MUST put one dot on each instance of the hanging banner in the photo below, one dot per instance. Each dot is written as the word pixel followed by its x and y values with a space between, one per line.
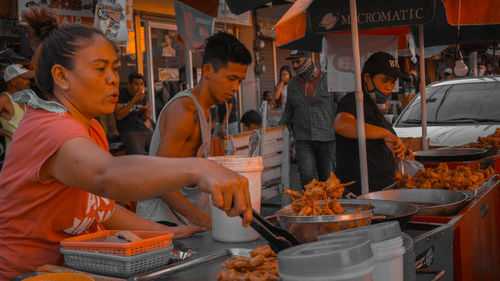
pixel 130 15
pixel 110 19
pixel 192 25
pixel 340 62
pixel 225 15
pixel 66 12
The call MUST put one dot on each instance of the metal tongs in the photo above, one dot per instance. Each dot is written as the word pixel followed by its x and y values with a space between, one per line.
pixel 278 238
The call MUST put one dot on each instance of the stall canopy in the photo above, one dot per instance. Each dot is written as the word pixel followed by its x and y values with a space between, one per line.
pixel 472 12
pixel 440 32
pixel 306 21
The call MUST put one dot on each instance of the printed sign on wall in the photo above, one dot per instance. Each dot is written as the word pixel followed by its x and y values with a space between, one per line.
pixel 111 20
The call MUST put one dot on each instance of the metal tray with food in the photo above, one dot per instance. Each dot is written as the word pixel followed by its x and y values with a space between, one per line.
pixel 204 267
pixel 449 154
pixel 470 193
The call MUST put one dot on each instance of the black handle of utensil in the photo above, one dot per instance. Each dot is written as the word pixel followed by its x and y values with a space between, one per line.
pixel 266 230
pixel 276 230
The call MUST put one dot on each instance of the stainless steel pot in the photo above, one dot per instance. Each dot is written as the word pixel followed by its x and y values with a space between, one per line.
pixel 431 202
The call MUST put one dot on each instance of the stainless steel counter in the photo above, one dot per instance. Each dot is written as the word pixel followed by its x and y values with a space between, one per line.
pixel 202 244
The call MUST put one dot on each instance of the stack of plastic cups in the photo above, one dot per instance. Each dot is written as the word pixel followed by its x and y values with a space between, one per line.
pixel 386 244
pixel 347 258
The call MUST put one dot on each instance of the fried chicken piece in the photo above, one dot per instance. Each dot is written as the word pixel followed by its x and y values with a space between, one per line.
pixel 232 275
pixel 262 275
pixel 265 251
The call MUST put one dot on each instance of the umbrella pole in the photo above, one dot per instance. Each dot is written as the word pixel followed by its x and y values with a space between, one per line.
pixel 422 86
pixel 359 99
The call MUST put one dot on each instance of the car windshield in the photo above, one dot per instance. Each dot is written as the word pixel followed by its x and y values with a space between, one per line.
pixel 456 104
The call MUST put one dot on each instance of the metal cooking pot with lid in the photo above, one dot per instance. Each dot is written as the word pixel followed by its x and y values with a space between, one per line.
pixel 431 202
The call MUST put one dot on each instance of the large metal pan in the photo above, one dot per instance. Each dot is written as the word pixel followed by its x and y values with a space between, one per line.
pixel 449 154
pixel 431 202
pixel 386 210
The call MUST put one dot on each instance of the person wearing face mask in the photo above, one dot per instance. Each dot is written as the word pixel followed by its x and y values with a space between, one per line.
pixel 379 75
pixel 310 110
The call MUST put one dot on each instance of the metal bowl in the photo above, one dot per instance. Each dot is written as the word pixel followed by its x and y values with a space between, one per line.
pixel 307 228
pixel 431 202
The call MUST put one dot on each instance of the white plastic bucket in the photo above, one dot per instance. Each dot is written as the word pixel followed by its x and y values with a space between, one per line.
pixel 230 229
pixel 388 260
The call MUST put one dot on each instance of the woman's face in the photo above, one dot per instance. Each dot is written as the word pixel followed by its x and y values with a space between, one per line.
pixel 385 84
pixel 285 76
pixel 93 81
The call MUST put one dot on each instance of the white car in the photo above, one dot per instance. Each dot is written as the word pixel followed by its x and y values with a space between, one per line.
pixel 458 111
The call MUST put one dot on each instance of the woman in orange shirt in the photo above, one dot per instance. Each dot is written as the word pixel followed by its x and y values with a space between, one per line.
pixel 60 180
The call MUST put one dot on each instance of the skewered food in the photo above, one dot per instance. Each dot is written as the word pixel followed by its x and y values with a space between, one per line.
pixel 261 266
pixel 308 204
pixel 489 142
pixel 462 178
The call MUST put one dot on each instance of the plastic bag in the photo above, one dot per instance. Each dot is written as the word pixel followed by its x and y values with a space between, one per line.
pixel 408 167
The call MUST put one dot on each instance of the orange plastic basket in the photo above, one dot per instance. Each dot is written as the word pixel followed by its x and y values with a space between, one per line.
pixel 151 240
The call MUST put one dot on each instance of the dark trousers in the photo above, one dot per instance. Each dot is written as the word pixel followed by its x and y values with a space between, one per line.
pixel 315 160
pixel 136 142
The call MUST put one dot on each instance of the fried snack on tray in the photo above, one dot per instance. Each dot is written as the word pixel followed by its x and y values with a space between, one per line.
pixel 489 142
pixel 307 204
pixel 462 178
pixel 261 266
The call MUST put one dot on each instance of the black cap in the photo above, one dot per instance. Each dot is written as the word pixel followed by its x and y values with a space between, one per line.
pixel 384 63
pixel 299 54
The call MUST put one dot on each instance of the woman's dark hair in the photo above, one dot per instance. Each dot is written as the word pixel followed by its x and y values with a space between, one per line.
pixel 58 44
pixel 223 48
pixel 287 68
pixel 251 117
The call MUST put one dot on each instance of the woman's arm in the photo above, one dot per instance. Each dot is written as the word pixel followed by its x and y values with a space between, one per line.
pixel 81 163
pixel 127 220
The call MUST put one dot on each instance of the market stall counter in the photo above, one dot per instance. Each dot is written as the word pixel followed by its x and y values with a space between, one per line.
pixel 205 263
pixel 476 248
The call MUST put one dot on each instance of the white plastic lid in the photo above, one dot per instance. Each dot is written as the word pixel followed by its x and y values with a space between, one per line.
pixel 375 232
pixel 323 257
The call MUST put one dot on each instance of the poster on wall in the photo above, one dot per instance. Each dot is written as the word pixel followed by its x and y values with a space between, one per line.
pixel 340 62
pixel 193 26
pixel 168 74
pixel 67 12
pixel 111 20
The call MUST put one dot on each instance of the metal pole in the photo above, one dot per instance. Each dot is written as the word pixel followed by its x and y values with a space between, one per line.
pixel 363 164
pixel 149 70
pixel 422 86
pixel 189 68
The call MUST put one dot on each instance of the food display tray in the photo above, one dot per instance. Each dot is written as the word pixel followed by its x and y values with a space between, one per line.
pixel 196 268
pixel 470 193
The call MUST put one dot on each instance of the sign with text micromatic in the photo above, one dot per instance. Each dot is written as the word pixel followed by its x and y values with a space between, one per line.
pixel 329 16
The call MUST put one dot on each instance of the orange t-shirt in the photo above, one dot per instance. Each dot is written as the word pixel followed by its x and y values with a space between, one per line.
pixel 35 214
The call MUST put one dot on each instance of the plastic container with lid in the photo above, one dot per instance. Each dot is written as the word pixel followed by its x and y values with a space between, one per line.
pixel 409 258
pixel 347 258
pixel 230 229
pixel 386 244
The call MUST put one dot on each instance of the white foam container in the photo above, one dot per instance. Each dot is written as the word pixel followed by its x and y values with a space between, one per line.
pixel 230 229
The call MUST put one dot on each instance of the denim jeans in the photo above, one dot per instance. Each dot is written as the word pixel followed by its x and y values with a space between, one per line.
pixel 315 160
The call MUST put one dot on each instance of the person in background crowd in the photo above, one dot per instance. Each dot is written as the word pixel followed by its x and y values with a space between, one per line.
pixel 68 184
pixel 448 74
pixel 310 110
pixel 280 91
pixel 183 129
pixel 380 72
pixel 271 102
pixel 17 78
pixel 133 114
pixel 227 119
pixel 251 120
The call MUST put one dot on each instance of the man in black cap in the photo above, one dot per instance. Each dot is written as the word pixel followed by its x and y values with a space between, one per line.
pixel 379 76
pixel 310 109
